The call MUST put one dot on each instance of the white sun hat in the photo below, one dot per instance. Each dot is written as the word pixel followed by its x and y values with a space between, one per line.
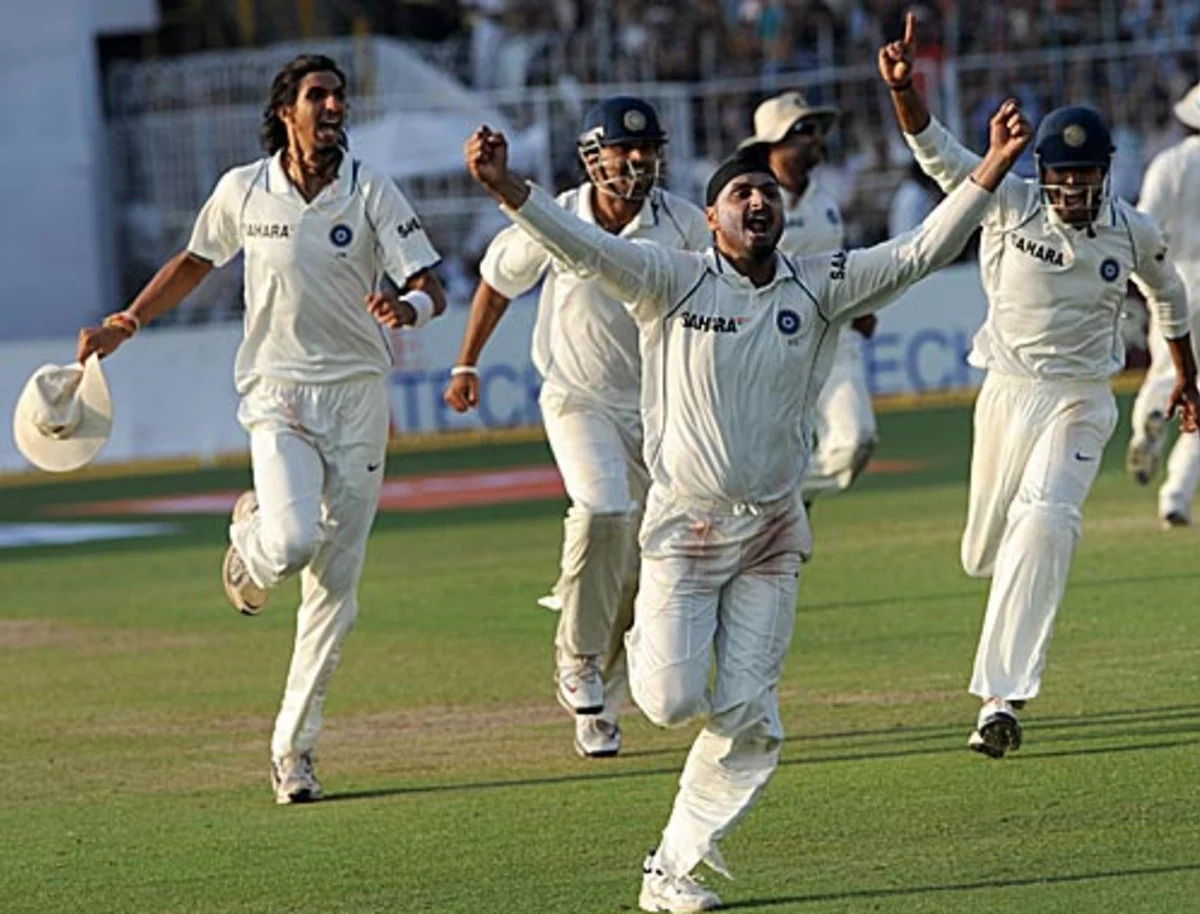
pixel 63 416
pixel 775 117
pixel 1187 109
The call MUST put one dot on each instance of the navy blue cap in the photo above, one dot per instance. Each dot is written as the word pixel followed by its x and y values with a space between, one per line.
pixel 621 119
pixel 1075 136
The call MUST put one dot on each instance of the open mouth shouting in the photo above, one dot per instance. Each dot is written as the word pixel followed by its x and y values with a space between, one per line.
pixel 758 224
pixel 330 131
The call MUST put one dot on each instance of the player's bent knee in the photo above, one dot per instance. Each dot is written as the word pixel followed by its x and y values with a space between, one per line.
pixel 293 548
pixel 670 701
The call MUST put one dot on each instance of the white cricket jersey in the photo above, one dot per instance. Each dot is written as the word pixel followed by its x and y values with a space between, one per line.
pixel 732 371
pixel 1171 195
pixel 1055 293
pixel 584 340
pixel 812 223
pixel 309 267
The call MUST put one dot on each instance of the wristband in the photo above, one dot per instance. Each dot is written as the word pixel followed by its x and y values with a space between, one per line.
pixel 422 304
pixel 900 87
pixel 464 369
pixel 124 322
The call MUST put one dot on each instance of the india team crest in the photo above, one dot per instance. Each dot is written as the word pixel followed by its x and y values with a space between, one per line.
pixel 1109 270
pixel 788 322
pixel 1074 135
pixel 341 235
pixel 634 120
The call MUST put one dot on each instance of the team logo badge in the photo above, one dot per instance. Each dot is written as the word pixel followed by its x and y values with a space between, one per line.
pixel 1109 270
pixel 341 235
pixel 831 215
pixel 788 322
pixel 634 120
pixel 1074 135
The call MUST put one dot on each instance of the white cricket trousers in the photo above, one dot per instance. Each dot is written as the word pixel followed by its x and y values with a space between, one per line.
pixel 718 583
pixel 1178 490
pixel 845 422
pixel 599 455
pixel 318 453
pixel 1038 446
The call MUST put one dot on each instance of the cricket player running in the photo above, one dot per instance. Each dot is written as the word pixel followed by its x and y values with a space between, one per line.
pixel 1055 256
pixel 737 342
pixel 1171 195
pixel 318 230
pixel 794 134
pixel 585 346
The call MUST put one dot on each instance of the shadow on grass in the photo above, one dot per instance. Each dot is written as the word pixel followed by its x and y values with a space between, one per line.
pixel 1119 740
pixel 976 593
pixel 863 894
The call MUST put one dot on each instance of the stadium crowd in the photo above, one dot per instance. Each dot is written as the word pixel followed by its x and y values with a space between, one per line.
pixel 1128 58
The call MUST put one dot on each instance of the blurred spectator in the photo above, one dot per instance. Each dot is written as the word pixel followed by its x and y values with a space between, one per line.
pixel 486 18
pixel 914 199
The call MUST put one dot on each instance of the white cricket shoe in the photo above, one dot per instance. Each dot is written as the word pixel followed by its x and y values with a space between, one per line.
pixel 997 731
pixel 674 894
pixel 581 685
pixel 1173 520
pixel 246 596
pixel 596 738
pixel 246 504
pixel 1145 449
pixel 294 780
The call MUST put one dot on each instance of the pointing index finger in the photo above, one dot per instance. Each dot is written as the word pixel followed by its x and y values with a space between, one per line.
pixel 910 28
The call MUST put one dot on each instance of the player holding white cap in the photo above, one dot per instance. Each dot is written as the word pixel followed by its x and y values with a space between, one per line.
pixel 1171 194
pixel 318 230
pixel 737 342
pixel 794 133
pixel 1055 254
pixel 585 346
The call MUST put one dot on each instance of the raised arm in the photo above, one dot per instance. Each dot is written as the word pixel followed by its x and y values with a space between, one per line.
pixel 939 154
pixel 644 276
pixel 869 278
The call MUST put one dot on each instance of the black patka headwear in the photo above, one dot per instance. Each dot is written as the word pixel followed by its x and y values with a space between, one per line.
pixel 746 161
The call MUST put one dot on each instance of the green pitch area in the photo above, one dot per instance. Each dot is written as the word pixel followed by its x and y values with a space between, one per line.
pixel 135 710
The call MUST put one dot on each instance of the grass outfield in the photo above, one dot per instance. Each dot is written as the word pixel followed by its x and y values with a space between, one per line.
pixel 135 709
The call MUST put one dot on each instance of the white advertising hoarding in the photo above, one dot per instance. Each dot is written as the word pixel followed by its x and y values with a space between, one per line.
pixel 173 390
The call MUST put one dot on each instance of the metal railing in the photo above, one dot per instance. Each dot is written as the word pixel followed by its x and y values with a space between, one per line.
pixel 175 125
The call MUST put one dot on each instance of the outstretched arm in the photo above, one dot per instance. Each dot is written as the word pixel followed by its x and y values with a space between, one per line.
pixel 169 286
pixel 644 276
pixel 869 278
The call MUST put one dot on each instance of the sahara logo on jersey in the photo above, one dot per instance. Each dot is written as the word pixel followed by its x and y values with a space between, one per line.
pixel 407 228
pixel 1037 250
pixel 837 266
pixel 710 323
pixel 341 235
pixel 1109 269
pixel 267 230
